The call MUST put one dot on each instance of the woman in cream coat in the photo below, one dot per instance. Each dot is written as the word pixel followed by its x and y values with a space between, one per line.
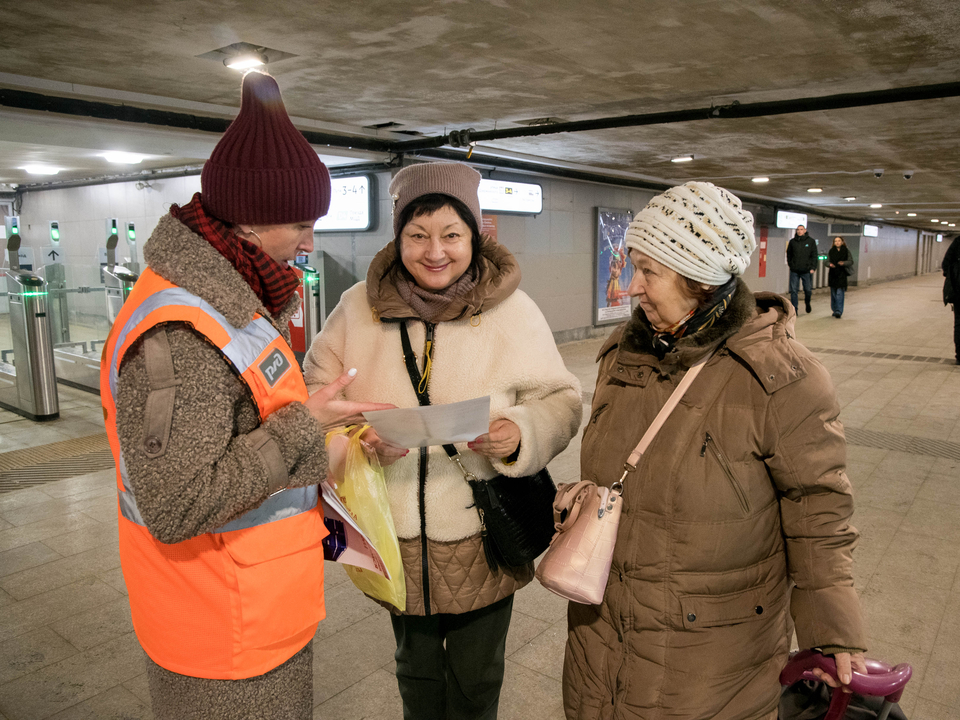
pixel 456 293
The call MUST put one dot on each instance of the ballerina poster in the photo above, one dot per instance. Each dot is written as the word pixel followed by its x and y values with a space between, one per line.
pixel 613 268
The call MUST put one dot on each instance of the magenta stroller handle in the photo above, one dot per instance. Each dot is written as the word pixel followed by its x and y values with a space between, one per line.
pixel 881 679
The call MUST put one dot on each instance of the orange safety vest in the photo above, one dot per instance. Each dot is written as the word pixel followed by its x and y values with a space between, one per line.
pixel 241 600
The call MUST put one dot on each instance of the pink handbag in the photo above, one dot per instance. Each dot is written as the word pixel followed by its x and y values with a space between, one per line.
pixel 586 517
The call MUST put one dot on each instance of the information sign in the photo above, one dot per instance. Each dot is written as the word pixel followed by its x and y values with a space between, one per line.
pixel 511 197
pixel 790 219
pixel 350 206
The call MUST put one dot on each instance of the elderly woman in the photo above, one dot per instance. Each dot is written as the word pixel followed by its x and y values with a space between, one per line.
pixel 454 294
pixel 740 510
pixel 218 446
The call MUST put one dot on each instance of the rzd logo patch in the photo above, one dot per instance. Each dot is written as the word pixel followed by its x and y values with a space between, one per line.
pixel 274 366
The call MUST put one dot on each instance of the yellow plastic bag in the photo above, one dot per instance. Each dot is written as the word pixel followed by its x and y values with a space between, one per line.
pixel 358 479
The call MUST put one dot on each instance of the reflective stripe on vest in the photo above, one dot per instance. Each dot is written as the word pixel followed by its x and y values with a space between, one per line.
pixel 241 600
pixel 245 346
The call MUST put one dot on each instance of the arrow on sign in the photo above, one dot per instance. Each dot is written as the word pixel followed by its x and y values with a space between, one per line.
pixel 53 254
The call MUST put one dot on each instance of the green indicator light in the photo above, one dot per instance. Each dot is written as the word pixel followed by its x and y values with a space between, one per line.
pixel 32 294
pixel 131 233
pixel 54 234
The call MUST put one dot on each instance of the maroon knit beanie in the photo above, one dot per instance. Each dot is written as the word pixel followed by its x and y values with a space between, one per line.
pixel 263 171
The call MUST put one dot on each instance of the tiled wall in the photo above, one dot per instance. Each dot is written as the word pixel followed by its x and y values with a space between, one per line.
pixel 554 249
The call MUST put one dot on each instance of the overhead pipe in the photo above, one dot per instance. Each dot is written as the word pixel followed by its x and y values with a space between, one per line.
pixel 463 138
pixel 23 100
pixel 736 109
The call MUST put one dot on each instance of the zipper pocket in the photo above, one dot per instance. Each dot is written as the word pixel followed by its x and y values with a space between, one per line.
pixel 596 413
pixel 715 450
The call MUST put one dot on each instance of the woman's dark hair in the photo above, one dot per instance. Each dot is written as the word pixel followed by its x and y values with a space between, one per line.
pixel 697 291
pixel 428 205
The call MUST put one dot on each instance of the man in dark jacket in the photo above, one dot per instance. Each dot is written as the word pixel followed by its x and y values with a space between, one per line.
pixel 802 261
pixel 951 288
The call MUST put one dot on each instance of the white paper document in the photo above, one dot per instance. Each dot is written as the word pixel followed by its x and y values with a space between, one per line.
pixel 432 424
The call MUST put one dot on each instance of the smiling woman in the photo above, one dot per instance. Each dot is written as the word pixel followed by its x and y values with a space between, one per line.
pixel 436 247
pixel 453 294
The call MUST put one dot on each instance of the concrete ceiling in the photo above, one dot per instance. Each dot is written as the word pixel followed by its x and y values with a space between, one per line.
pixel 432 66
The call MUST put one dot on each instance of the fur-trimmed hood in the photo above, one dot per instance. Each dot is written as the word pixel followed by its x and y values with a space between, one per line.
pixel 499 277
pixel 184 258
pixel 751 319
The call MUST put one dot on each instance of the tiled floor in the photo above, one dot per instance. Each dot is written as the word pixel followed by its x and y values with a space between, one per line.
pixel 67 649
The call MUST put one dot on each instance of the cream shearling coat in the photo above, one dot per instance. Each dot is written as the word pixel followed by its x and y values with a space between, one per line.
pixel 510 355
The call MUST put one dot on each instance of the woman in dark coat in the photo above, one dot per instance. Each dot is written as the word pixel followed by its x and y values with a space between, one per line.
pixel 839 258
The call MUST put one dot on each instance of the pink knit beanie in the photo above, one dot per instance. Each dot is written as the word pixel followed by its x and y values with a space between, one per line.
pixel 263 171
pixel 450 178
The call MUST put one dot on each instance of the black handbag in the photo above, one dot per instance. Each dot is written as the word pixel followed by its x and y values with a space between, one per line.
pixel 516 513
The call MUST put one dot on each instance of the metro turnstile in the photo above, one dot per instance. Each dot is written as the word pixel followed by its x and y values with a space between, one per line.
pixel 119 280
pixel 29 386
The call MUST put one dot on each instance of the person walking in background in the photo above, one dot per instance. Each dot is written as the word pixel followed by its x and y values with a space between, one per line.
pixel 840 260
pixel 440 319
pixel 218 446
pixel 802 261
pixel 951 289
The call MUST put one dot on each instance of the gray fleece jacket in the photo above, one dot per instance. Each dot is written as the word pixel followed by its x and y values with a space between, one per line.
pixel 210 473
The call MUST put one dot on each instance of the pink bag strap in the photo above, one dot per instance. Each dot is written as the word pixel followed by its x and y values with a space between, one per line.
pixel 631 464
pixel 570 499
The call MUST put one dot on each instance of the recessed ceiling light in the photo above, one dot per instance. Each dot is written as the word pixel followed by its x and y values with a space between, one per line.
pixel 41 169
pixel 122 158
pixel 911 214
pixel 876 205
pixel 935 220
pixel 952 225
pixel 944 222
pixel 245 61
pixel 682 158
pixel 814 189
pixel 850 198
pixel 760 179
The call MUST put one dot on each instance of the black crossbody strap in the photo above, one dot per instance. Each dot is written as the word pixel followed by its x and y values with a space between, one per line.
pixel 410 360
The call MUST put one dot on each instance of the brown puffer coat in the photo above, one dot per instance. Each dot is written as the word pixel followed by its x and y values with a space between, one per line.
pixel 742 493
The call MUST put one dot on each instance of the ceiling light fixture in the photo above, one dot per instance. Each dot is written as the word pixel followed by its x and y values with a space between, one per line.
pixel 814 190
pixel 41 169
pixel 245 61
pixel 944 222
pixel 911 214
pixel 952 225
pixel 682 158
pixel 935 220
pixel 122 158
pixel 876 205
pixel 760 179
pixel 850 198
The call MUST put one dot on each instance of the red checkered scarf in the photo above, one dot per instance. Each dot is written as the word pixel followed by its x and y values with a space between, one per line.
pixel 272 282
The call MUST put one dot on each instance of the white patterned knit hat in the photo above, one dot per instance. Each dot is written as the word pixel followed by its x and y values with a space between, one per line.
pixel 698 229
